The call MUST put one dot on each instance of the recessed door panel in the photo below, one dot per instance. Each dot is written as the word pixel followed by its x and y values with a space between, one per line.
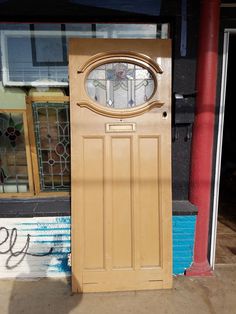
pixel 149 189
pixel 122 203
pixel 93 177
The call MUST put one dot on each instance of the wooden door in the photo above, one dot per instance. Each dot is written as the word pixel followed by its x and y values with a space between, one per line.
pixel 120 94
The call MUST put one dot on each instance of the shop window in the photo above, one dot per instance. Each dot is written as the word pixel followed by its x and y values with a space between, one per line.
pixel 37 54
pixel 15 171
pixel 35 142
pixel 36 58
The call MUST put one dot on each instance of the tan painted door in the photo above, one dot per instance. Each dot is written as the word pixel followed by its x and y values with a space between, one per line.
pixel 121 164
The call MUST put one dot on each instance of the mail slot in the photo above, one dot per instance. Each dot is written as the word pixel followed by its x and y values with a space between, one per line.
pixel 120 127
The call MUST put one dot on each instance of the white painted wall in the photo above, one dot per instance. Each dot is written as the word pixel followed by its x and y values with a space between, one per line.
pixel 34 247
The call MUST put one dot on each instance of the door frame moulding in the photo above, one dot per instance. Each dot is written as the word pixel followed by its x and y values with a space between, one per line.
pixel 227 33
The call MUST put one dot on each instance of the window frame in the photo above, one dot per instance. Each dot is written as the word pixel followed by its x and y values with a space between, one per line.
pixel 5 34
pixel 28 157
pixel 32 143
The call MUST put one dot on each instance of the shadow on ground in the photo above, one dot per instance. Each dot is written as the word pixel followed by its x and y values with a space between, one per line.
pixel 189 296
pixel 40 296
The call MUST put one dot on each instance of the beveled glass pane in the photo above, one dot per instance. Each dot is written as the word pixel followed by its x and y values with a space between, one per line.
pixel 120 85
pixel 13 161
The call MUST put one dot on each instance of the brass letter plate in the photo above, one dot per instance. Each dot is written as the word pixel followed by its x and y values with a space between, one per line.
pixel 120 127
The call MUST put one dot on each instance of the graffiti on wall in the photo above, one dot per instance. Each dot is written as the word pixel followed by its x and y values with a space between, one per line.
pixel 11 239
pixel 34 247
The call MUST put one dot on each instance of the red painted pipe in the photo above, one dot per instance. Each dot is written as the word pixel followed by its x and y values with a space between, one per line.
pixel 203 132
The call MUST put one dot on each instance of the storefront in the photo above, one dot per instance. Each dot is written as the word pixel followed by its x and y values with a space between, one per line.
pixel 35 125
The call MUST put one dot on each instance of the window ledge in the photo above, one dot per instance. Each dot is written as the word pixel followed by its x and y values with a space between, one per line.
pixel 35 207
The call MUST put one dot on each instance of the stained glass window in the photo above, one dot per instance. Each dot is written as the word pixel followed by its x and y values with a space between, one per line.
pixel 120 85
pixel 52 132
pixel 13 160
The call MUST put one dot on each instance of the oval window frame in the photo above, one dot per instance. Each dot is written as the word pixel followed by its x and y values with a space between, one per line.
pixel 116 57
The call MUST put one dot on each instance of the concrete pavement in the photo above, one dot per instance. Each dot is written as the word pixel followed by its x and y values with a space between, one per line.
pixel 189 295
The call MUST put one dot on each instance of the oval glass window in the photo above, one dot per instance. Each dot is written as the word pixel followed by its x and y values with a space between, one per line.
pixel 120 85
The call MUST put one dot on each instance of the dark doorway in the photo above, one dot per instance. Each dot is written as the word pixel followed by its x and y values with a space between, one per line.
pixel 226 234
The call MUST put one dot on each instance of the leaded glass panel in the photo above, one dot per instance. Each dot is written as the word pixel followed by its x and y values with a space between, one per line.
pixel 13 160
pixel 52 132
pixel 120 85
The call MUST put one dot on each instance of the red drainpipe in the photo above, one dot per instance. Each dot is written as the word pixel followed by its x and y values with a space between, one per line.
pixel 203 132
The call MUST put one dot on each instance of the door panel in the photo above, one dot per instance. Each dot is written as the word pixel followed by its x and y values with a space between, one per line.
pixel 121 151
pixel 93 158
pixel 149 201
pixel 121 165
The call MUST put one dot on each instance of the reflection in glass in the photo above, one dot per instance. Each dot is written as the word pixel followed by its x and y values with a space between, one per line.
pixel 120 85
pixel 38 55
pixel 151 31
pixel 13 161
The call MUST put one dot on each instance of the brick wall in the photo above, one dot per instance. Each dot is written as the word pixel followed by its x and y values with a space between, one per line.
pixel 183 242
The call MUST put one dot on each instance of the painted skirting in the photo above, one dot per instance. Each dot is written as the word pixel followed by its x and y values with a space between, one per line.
pixel 39 246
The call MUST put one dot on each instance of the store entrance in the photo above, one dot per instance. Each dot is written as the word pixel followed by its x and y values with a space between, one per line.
pixel 226 231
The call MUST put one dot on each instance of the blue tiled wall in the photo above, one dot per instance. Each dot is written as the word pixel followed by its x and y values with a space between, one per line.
pixel 183 242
